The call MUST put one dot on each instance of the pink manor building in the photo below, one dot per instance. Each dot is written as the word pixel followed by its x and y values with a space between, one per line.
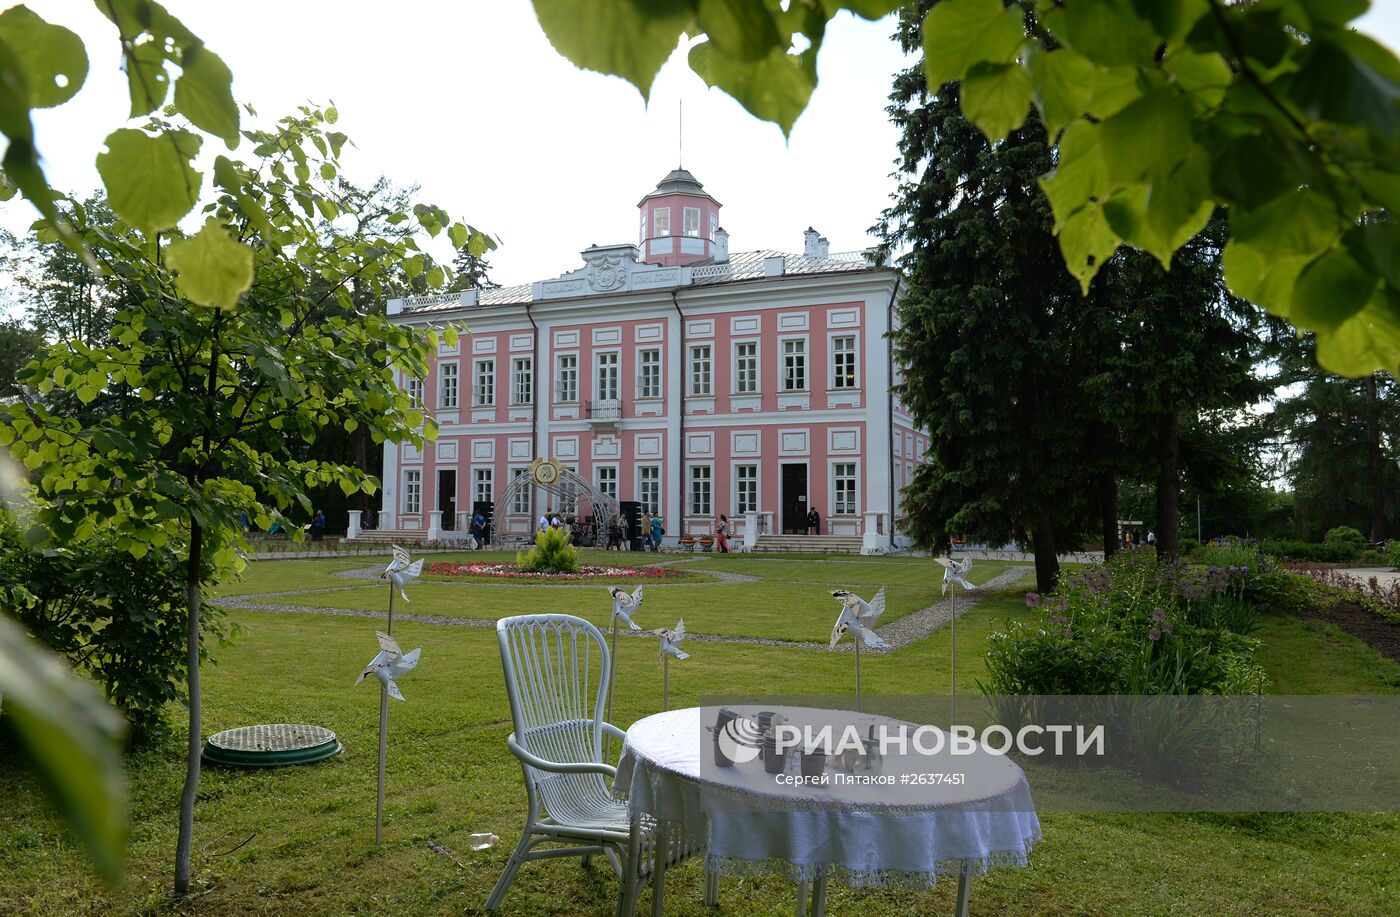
pixel 674 374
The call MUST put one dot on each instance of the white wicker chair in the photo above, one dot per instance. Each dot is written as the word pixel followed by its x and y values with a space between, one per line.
pixel 550 663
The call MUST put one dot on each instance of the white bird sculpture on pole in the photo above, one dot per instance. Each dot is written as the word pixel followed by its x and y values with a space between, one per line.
pixel 670 646
pixel 858 619
pixel 624 606
pixel 402 569
pixel 390 664
pixel 954 574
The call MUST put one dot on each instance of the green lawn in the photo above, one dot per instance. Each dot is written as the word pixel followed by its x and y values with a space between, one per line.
pixel 307 834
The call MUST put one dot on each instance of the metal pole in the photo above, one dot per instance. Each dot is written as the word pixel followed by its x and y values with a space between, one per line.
pixel 1198 518
pixel 665 682
pixel 953 653
pixel 857 673
pixel 383 737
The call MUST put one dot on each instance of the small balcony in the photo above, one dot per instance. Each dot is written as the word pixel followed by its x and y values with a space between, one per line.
pixel 604 412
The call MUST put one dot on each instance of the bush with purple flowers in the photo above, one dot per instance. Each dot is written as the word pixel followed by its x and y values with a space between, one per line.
pixel 1135 626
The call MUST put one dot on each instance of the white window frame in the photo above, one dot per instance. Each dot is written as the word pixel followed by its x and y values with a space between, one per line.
pixel 484 383
pixel 485 475
pixel 739 506
pixel 522 373
pixel 687 227
pixel 660 222
pixel 413 492
pixel 691 479
pixel 598 471
pixel 837 383
pixel 563 390
pixel 525 495
pixel 757 376
pixel 616 362
pixel 643 389
pixel 693 376
pixel 413 388
pixel 714 223
pixel 783 375
pixel 649 475
pixel 833 491
pixel 449 385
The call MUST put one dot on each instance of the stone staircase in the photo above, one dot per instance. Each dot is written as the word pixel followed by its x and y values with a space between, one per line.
pixel 808 544
pixel 391 536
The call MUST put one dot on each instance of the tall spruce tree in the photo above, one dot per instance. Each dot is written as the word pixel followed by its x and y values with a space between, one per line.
pixel 992 330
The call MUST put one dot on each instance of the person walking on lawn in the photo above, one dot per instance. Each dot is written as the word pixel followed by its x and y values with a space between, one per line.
pixel 722 535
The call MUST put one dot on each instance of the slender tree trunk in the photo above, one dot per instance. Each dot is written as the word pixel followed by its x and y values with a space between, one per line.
pixel 1047 562
pixel 1108 510
pixel 193 749
pixel 1168 503
pixel 1375 461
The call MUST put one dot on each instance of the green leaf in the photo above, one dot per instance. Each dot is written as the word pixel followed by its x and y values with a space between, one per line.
pixel 1302 222
pixel 997 98
pixel 1147 140
pixel 740 29
pixel 1108 32
pixel 147 82
pixel 775 89
pixel 961 33
pixel 1114 89
pixel 618 37
pixel 204 94
pixel 1366 342
pixel 72 736
pixel 1204 77
pixel 1331 290
pixel 1178 206
pixel 1064 84
pixel 1079 173
pixel 214 270
pixel 327 171
pixel 1087 241
pixel 1251 171
pixel 1337 85
pixel 149 181
pixel 51 59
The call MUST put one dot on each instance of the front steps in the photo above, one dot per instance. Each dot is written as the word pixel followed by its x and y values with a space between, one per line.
pixel 808 544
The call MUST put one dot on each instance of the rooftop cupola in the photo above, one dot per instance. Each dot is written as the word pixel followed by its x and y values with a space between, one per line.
pixel 679 221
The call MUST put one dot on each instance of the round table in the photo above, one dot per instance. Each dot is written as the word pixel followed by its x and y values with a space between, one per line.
pixel 865 832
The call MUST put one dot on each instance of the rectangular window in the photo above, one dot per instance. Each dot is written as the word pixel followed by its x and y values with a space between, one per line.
pixel 700 370
pixel 746 489
pixel 566 381
pixel 412 492
pixel 607 480
pixel 520 501
pixel 484 393
pixel 714 223
pixel 843 362
pixel 649 488
pixel 700 490
pixel 661 220
pixel 413 388
pixel 607 363
pixel 447 385
pixel 692 221
pixel 649 374
pixel 844 476
pixel 746 368
pixel 484 488
pixel 794 365
pixel 523 380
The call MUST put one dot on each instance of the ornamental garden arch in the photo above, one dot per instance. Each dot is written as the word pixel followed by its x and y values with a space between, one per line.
pixel 577 501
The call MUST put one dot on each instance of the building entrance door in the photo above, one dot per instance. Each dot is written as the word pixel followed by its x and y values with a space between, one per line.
pixel 794 498
pixel 447 498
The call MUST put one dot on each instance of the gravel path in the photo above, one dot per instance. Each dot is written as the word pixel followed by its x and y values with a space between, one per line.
pixel 898 634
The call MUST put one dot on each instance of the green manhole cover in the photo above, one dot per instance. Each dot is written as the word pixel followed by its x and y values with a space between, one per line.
pixel 271 745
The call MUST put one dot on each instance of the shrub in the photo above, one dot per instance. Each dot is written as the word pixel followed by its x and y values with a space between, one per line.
pixel 1134 626
pixel 117 618
pixel 1305 550
pixel 553 553
pixel 1392 552
pixel 1345 536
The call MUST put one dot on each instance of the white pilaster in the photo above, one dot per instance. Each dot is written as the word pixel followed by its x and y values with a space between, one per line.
pixel 674 485
pixel 352 530
pixel 434 524
pixel 879 432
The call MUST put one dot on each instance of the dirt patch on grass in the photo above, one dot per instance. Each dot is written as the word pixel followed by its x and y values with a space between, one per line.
pixel 1362 623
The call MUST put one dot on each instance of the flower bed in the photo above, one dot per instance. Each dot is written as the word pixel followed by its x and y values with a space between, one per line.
pixel 506 570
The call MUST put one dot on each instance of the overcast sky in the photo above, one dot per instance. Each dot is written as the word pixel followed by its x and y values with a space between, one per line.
pixel 469 101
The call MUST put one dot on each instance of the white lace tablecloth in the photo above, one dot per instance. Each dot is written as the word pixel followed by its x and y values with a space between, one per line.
pixel 859 835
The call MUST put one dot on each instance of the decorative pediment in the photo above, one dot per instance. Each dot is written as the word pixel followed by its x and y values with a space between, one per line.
pixel 611 269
